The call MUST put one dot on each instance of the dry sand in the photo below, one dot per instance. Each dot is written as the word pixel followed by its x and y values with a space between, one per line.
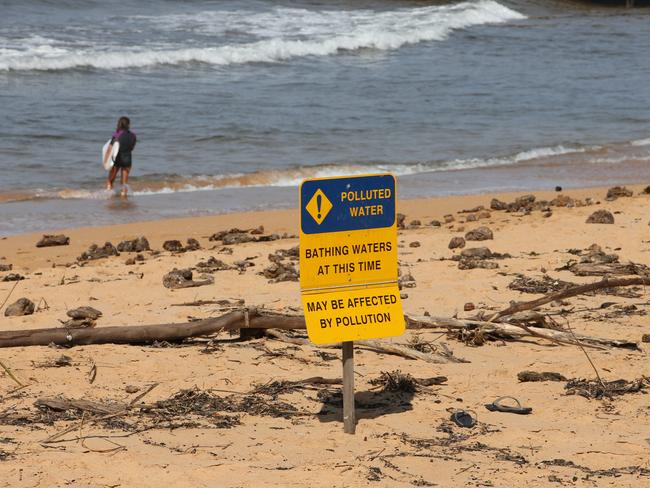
pixel 402 439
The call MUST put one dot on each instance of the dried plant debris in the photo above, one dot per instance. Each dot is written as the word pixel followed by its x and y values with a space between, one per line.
pixel 606 389
pixel 545 284
pixel 62 361
pixel 595 262
pixel 532 376
pixel 397 381
pixel 612 472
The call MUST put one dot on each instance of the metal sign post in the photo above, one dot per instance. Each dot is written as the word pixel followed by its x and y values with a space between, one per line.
pixel 348 266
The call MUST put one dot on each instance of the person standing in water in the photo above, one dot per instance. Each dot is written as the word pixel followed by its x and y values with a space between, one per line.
pixel 123 160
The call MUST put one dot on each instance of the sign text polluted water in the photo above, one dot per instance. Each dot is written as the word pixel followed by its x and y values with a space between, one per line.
pixel 348 258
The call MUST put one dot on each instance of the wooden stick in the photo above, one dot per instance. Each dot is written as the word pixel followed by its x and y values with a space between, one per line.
pixel 378 346
pixel 349 415
pixel 11 375
pixel 516 331
pixel 571 292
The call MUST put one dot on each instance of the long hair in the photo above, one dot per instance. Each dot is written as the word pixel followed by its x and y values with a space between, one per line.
pixel 123 124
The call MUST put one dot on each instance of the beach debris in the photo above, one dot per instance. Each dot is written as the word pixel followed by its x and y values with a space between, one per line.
pixel 516 307
pixel 22 306
pixel 435 223
pixel 82 317
pixel 498 406
pixel 292 253
pixel 212 265
pixel 558 188
pixel 545 284
pixel 240 236
pixel 173 245
pixel 400 220
pixel 415 224
pixel 131 389
pixel 595 262
pixel 645 338
pixel 406 281
pixel 456 242
pixel 96 252
pixel 212 407
pixel 532 376
pixel 477 252
pixel 279 271
pixel 449 218
pixel 463 418
pixel 182 278
pixel 646 190
pixel 192 245
pixel 605 389
pixel 477 257
pixel 468 307
pixel 13 277
pixel 527 203
pixel 497 204
pixel 62 361
pixel 140 244
pixel 473 210
pixel 415 244
pixel 617 192
pixel 395 381
pixel 479 234
pixel 84 313
pixel 49 240
pixel 6 267
pixel 600 217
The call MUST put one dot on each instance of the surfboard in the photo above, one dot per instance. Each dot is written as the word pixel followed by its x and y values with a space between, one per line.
pixel 108 162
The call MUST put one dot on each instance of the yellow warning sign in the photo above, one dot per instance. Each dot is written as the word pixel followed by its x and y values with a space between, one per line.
pixel 351 315
pixel 348 258
pixel 319 206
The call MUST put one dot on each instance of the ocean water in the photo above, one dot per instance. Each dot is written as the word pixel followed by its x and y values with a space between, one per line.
pixel 235 102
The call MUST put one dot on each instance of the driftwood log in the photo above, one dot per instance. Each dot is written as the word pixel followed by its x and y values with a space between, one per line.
pixel 572 292
pixel 255 319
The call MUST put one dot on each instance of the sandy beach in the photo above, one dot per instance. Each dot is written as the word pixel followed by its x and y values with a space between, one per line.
pixel 212 416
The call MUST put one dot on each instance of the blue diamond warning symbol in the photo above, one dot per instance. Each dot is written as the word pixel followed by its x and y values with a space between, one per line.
pixel 319 206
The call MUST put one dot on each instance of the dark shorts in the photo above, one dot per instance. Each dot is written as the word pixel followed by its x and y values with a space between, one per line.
pixel 122 165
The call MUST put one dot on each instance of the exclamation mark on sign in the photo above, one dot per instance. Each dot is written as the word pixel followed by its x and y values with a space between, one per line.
pixel 319 202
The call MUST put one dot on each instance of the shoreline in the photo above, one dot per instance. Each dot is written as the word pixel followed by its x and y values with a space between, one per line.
pixel 65 213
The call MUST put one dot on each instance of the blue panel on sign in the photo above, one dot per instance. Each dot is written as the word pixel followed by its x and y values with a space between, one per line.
pixel 350 203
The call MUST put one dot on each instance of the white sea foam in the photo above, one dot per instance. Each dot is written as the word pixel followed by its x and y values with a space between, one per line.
pixel 641 142
pixel 278 35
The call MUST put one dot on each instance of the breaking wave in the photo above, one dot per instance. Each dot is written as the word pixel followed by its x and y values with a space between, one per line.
pixel 215 38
